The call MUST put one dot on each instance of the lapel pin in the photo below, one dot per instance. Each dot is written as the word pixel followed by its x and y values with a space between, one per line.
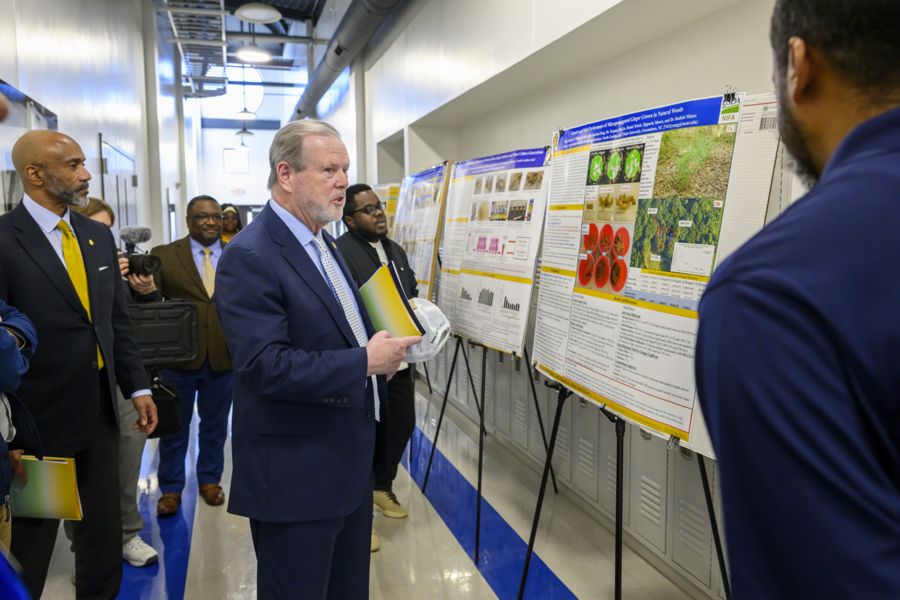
pixel 333 245
pixel 90 242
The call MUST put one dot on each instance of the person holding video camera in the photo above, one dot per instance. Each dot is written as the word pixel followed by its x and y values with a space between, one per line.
pixel 131 442
pixel 188 273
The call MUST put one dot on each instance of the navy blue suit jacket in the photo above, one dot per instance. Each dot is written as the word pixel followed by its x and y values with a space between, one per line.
pixel 304 431
pixel 798 375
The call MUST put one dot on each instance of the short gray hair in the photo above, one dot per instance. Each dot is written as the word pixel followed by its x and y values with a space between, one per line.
pixel 288 144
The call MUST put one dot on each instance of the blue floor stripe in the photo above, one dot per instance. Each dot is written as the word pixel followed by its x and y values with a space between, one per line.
pixel 502 550
pixel 170 536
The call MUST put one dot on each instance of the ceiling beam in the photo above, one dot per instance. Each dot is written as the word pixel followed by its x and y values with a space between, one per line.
pixel 268 38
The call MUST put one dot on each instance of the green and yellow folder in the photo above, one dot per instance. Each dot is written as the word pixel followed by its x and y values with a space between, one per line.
pixel 51 491
pixel 387 304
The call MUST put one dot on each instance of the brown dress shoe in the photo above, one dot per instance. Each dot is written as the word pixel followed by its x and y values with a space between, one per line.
pixel 168 504
pixel 212 494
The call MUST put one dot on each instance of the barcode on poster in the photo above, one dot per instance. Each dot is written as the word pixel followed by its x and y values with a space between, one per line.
pixel 768 123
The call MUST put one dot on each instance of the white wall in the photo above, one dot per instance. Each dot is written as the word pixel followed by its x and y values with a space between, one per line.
pixel 247 188
pixel 83 60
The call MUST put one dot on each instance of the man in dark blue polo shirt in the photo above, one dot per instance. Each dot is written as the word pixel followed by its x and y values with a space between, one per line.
pixel 798 351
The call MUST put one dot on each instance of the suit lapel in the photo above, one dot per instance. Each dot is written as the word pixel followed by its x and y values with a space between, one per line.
pixel 302 264
pixel 354 289
pixel 36 245
pixel 186 256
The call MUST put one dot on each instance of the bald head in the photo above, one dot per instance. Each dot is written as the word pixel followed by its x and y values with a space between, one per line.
pixel 51 167
pixel 4 107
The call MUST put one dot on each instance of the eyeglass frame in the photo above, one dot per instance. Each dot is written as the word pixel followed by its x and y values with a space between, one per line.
pixel 366 209
pixel 203 218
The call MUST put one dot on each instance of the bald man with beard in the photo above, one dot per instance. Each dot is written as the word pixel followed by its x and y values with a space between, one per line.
pixel 61 269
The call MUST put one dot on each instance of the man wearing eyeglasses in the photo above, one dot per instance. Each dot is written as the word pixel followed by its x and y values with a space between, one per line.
pixel 366 247
pixel 188 273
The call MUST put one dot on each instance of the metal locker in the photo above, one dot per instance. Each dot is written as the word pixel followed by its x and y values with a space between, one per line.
pixel 519 398
pixel 461 393
pixel 692 537
pixel 607 469
pixel 536 449
pixel 490 391
pixel 650 482
pixel 562 454
pixel 586 436
pixel 502 393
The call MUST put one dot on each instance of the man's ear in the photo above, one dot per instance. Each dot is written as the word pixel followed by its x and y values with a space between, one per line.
pixel 348 221
pixel 801 70
pixel 33 175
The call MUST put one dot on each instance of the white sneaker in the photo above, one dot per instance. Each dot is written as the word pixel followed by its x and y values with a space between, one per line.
pixel 138 553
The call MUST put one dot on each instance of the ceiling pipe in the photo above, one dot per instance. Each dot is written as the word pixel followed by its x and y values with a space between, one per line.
pixel 359 24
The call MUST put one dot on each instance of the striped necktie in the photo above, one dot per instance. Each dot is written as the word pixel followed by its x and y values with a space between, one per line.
pixel 342 294
pixel 75 266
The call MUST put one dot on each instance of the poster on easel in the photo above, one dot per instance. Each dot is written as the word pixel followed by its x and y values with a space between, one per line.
pixel 388 193
pixel 492 232
pixel 640 210
pixel 417 225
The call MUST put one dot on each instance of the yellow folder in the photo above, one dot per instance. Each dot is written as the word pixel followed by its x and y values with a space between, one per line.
pixel 51 491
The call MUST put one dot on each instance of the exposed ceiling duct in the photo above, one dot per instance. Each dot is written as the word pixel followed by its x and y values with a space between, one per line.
pixel 199 30
pixel 359 24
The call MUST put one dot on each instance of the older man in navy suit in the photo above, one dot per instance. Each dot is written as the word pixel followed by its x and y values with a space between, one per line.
pixel 309 391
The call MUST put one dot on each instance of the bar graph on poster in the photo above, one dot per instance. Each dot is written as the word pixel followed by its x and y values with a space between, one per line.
pixel 417 222
pixel 640 210
pixel 492 232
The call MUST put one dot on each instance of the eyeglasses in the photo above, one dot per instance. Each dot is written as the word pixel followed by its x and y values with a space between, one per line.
pixel 202 218
pixel 370 209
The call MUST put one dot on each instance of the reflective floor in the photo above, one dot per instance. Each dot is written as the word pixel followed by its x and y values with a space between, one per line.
pixel 207 553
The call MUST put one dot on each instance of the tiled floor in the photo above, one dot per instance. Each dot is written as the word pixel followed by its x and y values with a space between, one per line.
pixel 207 552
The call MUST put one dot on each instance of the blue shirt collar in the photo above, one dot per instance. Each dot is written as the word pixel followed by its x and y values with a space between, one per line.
pixel 297 227
pixel 197 247
pixel 46 219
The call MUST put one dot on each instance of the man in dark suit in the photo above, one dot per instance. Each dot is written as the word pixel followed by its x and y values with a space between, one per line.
pixel 366 247
pixel 309 397
pixel 188 273
pixel 61 269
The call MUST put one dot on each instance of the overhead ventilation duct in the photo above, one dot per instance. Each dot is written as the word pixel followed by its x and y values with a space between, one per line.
pixel 359 24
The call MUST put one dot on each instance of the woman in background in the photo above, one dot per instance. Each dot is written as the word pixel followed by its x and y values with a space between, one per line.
pixel 231 222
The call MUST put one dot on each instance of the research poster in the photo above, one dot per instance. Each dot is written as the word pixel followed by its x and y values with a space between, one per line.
pixel 492 233
pixel 417 224
pixel 640 210
pixel 388 193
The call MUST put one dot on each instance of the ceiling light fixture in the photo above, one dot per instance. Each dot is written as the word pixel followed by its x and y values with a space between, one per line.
pixel 243 132
pixel 257 12
pixel 252 53
pixel 247 115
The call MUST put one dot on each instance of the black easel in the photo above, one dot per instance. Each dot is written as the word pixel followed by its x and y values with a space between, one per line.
pixel 481 431
pixel 561 395
pixel 620 492
pixel 427 378
pixel 437 431
pixel 715 527
pixel 537 409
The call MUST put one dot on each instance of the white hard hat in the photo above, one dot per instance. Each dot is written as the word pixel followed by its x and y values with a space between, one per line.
pixel 437 331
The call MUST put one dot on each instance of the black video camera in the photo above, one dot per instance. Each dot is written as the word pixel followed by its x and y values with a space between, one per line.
pixel 139 263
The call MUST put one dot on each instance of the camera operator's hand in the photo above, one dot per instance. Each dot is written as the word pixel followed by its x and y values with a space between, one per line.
pixel 147 418
pixel 142 284
pixel 123 265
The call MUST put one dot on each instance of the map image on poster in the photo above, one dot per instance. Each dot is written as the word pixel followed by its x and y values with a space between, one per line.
pixel 637 210
pixel 417 224
pixel 388 194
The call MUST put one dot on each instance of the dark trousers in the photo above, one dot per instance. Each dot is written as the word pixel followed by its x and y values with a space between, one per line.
pixel 401 421
pixel 213 391
pixel 98 536
pixel 314 560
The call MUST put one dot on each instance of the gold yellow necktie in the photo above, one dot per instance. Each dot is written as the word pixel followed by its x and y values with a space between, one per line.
pixel 209 274
pixel 75 267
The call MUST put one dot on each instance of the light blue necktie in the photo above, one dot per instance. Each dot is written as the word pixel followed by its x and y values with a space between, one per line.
pixel 342 294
